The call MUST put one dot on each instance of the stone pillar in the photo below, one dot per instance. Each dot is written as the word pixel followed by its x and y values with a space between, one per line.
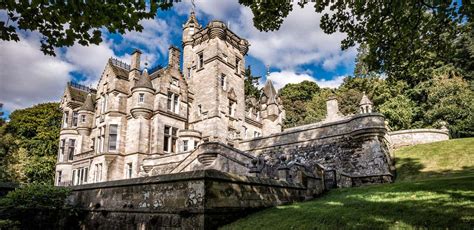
pixel 332 108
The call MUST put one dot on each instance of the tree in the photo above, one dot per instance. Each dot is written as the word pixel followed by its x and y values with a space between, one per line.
pixel 29 143
pixel 399 111
pixel 251 84
pixel 405 39
pixel 63 23
pixel 295 98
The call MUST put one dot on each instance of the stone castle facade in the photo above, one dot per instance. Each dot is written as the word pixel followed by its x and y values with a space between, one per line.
pixel 174 119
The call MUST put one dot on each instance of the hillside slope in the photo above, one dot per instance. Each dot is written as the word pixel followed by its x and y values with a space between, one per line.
pixel 434 189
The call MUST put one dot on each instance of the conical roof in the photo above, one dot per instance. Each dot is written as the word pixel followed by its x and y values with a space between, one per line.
pixel 270 92
pixel 192 20
pixel 144 81
pixel 88 104
pixel 365 100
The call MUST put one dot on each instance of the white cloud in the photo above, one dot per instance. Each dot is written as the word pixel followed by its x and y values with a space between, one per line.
pixel 280 79
pixel 29 77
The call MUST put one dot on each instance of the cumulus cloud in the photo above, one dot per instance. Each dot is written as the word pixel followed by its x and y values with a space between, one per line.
pixel 284 77
pixel 29 77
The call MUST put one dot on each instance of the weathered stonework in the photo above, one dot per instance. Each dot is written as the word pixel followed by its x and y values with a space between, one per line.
pixel 181 148
pixel 417 136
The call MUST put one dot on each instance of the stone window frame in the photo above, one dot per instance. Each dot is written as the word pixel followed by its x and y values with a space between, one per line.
pixel 65 119
pixel 62 146
pixel 185 145
pixel 83 118
pixel 141 98
pixel 59 176
pixel 75 118
pixel 111 135
pixel 170 139
pixel 97 172
pixel 223 81
pixel 79 175
pixel 71 149
pixel 129 170
pixel 200 60
pixel 237 65
pixel 172 102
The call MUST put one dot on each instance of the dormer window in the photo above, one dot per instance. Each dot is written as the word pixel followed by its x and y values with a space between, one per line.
pixel 141 98
pixel 201 60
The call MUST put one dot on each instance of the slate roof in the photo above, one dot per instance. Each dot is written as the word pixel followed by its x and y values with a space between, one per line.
pixel 365 100
pixel 144 81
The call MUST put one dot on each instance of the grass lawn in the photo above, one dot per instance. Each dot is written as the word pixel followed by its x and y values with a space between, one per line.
pixel 435 190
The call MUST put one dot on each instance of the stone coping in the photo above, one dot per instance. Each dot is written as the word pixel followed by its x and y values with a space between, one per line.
pixel 209 174
pixel 365 176
pixel 406 131
pixel 317 125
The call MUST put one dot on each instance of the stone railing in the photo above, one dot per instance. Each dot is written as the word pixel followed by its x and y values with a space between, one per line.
pixel 65 183
pixel 346 180
pixel 417 136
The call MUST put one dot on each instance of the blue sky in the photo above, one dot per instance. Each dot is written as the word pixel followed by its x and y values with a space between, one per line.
pixel 299 51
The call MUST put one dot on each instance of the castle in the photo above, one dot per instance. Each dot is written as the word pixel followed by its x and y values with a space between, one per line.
pixel 173 119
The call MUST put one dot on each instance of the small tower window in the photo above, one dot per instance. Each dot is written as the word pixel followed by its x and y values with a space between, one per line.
pixel 141 98
pixel 185 145
pixel 83 118
pixel 199 110
pixel 201 61
pixel 189 73
pixel 237 65
pixel 223 81
pixel 74 119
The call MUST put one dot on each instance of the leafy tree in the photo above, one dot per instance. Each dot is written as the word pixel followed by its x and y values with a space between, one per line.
pixel 295 98
pixel 399 111
pixel 251 84
pixel 29 143
pixel 405 39
pixel 64 23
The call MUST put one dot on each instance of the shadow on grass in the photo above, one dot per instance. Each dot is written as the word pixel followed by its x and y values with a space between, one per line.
pixel 411 168
pixel 443 203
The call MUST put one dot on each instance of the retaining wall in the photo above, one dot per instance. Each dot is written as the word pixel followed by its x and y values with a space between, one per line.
pixel 417 136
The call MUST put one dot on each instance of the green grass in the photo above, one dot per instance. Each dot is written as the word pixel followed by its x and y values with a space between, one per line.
pixel 435 190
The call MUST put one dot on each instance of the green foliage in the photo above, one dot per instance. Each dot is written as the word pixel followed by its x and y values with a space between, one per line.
pixel 64 23
pixel 29 144
pixel 37 206
pixel 36 195
pixel 251 84
pixel 399 111
pixel 295 99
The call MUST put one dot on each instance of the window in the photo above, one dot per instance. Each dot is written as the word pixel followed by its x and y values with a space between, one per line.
pixel 104 104
pixel 100 140
pixel 191 30
pixel 237 65
pixel 189 73
pixel 231 108
pixel 173 102
pixel 93 144
pixel 79 176
pixel 72 147
pixel 60 175
pixel 129 170
pixel 225 57
pixel 258 116
pixel 74 119
pixel 195 144
pixel 199 110
pixel 245 132
pixel 171 137
pixel 256 134
pixel 65 120
pixel 113 137
pixel 223 82
pixel 98 172
pixel 185 145
pixel 201 61
pixel 141 97
pixel 83 118
pixel 61 149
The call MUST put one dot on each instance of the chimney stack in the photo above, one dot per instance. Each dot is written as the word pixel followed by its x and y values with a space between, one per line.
pixel 173 57
pixel 332 108
pixel 135 63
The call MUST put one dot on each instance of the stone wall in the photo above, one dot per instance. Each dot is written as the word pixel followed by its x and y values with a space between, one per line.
pixel 417 136
pixel 191 200
pixel 355 146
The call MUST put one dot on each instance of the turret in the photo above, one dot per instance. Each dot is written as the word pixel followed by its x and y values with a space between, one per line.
pixel 365 104
pixel 189 29
pixel 142 97
pixel 86 116
pixel 271 109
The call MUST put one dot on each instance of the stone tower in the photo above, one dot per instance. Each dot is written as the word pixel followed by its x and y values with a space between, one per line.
pixel 365 104
pixel 271 110
pixel 213 61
